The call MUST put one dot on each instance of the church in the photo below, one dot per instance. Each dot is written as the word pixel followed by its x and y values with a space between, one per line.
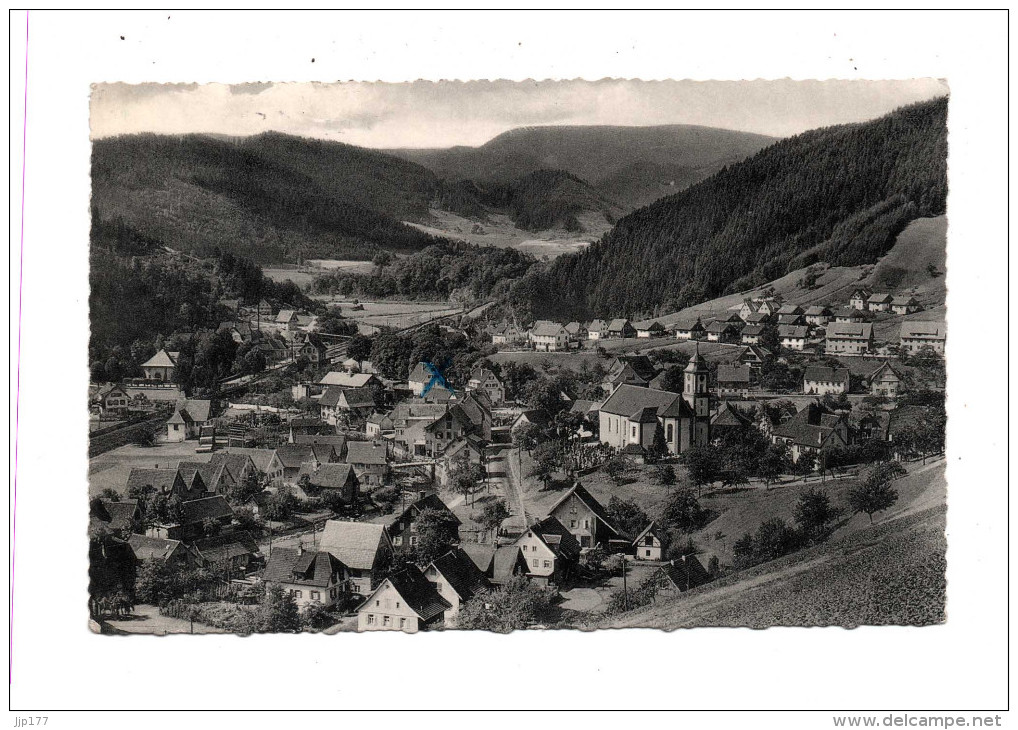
pixel 632 414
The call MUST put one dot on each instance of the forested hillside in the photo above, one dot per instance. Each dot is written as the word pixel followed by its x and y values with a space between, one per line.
pixel 535 202
pixel 271 197
pixel 631 165
pixel 840 194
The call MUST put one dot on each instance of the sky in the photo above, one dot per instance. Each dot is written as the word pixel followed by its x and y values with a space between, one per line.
pixel 445 114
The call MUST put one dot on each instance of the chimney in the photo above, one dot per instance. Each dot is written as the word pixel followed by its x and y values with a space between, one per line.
pixel 300 549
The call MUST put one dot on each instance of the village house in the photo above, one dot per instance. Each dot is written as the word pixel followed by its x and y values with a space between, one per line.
pixel 315 349
pixel 160 366
pixel 550 550
pixel 443 431
pixel 497 563
pixel 121 517
pixel 819 380
pixel 747 309
pixel 402 527
pixel 379 425
pixel 217 477
pixel 404 601
pixel 751 334
pixel 681 575
pixel 584 517
pixel 341 379
pixel 239 466
pixel 811 431
pixel 487 382
pixel 793 336
pixel 114 399
pixel 508 334
pixel 789 309
pixel 577 331
pixel 240 331
pixel 690 330
pixel 287 460
pixel 457 579
pixel 654 329
pixel 885 381
pixel 818 315
pixel 188 420
pixel 334 478
pixel 849 339
pixel 621 329
pixel 259 458
pixel 364 549
pixel 233 553
pixel 170 482
pixel 338 402
pixel 369 460
pixel 905 304
pixel 753 356
pixel 533 417
pixel 264 309
pixel 649 544
pixel 728 419
pixel 756 318
pixel 722 331
pixel 173 553
pixel 859 299
pixel 629 370
pixel 420 378
pixel 734 380
pixel 597 330
pixel 791 319
pixel 916 335
pixel 336 440
pixel 880 302
pixel 192 518
pixel 311 577
pixel 549 337
pixel 849 315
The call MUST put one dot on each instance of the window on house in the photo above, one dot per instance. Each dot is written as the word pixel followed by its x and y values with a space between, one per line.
pixel 547 563
pixel 371 619
pixel 647 553
pixel 586 524
pixel 378 603
pixel 572 523
pixel 386 621
pixel 315 596
pixel 536 562
pixel 298 594
pixel 413 540
pixel 355 588
pixel 402 623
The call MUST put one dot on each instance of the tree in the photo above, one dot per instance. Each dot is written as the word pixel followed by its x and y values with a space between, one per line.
pixel 526 436
pixel 774 462
pixel 616 470
pixel 769 338
pixel 437 531
pixel 773 539
pixel 684 512
pixel 627 516
pixel 876 494
pixel 515 605
pixel 665 475
pixel 359 347
pixel 672 380
pixel 814 514
pixel 702 464
pixel 547 459
pixel 492 515
pixel 110 494
pixel 279 612
pixel 280 506
pixel 659 447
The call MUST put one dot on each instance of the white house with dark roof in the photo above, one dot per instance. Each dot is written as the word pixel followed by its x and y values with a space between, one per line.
pixel 793 336
pixel 915 335
pixel 879 302
pixel 160 366
pixel 849 339
pixel 649 544
pixel 586 519
pixel 597 329
pixel 549 336
pixel 905 304
pixel 404 601
pixel 819 380
pixel 310 576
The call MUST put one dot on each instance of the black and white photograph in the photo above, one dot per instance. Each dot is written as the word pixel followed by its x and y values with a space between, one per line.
pixel 508 363
pixel 502 355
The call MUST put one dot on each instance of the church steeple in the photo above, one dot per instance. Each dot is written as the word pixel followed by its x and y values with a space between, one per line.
pixel 696 393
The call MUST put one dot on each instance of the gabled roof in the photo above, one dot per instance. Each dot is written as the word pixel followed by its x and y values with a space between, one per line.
pixel 211 474
pixel 153 548
pixel 816 310
pixel 733 374
pixel 688 573
pixel 556 537
pixel 583 406
pixel 429 501
pixel 301 567
pixel 588 499
pixel 628 399
pixel 817 373
pixel 342 379
pixel 161 359
pixel 121 513
pixel 639 365
pixel 850 330
pixel 880 298
pixel 904 299
pixel 333 476
pixel 198 409
pixel 756 318
pixel 926 330
pixel 420 374
pixel 547 329
pixel 291 456
pixel 789 308
pixel 752 330
pixel 355 544
pixel 719 326
pixel 652 529
pixel 617 325
pixel 214 507
pixel 366 452
pixel 728 416
pixel 359 397
pixel 181 416
pixel 688 324
pixel 793 330
pixel 597 325
pixel 461 573
pixel 654 326
pixel 221 548
pixel 809 427
pixel 285 315
pixel 336 440
pixel 849 312
pixel 536 416
pixel 505 561
pixel 235 463
pixel 574 328
pixel 161 479
pixel 884 372
pixel 417 591
pixel 260 457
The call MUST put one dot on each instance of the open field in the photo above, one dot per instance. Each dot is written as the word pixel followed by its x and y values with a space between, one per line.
pixel 500 232
pixel 112 468
pixel 398 314
pixel 350 267
pixel 300 277
pixel 569 360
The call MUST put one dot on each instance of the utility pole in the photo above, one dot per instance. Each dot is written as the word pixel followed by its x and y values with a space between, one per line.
pixel 625 589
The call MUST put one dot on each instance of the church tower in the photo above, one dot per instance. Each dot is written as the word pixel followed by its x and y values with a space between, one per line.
pixel 696 393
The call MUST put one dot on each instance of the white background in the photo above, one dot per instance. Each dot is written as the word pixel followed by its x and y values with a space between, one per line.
pixel 58 664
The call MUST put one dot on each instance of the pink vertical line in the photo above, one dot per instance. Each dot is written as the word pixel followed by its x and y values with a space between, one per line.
pixel 17 402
